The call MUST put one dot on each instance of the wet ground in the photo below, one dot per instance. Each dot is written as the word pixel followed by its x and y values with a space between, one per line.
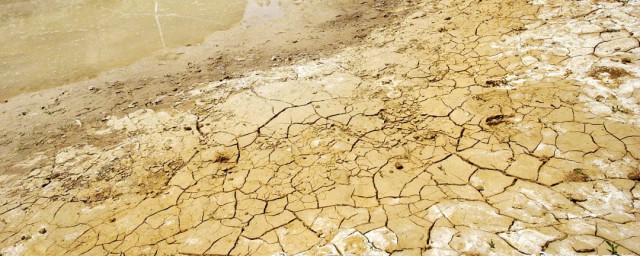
pixel 51 43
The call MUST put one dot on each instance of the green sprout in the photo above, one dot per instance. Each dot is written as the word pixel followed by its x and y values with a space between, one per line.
pixel 492 244
pixel 613 248
pixel 616 108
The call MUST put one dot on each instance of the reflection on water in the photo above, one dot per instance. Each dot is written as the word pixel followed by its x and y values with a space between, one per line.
pixel 259 10
pixel 51 42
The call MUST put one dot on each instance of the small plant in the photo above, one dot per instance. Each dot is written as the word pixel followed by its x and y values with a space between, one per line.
pixel 624 2
pixel 613 248
pixel 616 108
pixel 407 151
pixel 492 244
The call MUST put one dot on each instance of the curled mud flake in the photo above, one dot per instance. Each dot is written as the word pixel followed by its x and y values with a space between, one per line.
pixel 585 250
pixel 497 119
pixel 635 175
pixel 46 182
pixel 544 159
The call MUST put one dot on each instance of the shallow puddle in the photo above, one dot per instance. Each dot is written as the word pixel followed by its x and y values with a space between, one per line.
pixel 52 42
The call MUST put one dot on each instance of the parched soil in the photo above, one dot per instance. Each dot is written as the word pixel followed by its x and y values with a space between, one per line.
pixel 455 127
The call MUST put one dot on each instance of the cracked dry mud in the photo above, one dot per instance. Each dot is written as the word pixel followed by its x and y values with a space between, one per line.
pixel 469 127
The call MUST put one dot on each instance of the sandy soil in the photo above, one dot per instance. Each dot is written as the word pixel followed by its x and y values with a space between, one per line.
pixel 442 128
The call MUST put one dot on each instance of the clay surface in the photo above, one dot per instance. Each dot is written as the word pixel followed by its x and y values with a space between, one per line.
pixel 461 128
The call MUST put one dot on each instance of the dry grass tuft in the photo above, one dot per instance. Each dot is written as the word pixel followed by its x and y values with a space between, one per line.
pixel 601 72
pixel 577 175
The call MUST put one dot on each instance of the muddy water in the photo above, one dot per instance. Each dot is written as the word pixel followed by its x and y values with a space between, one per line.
pixel 45 43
